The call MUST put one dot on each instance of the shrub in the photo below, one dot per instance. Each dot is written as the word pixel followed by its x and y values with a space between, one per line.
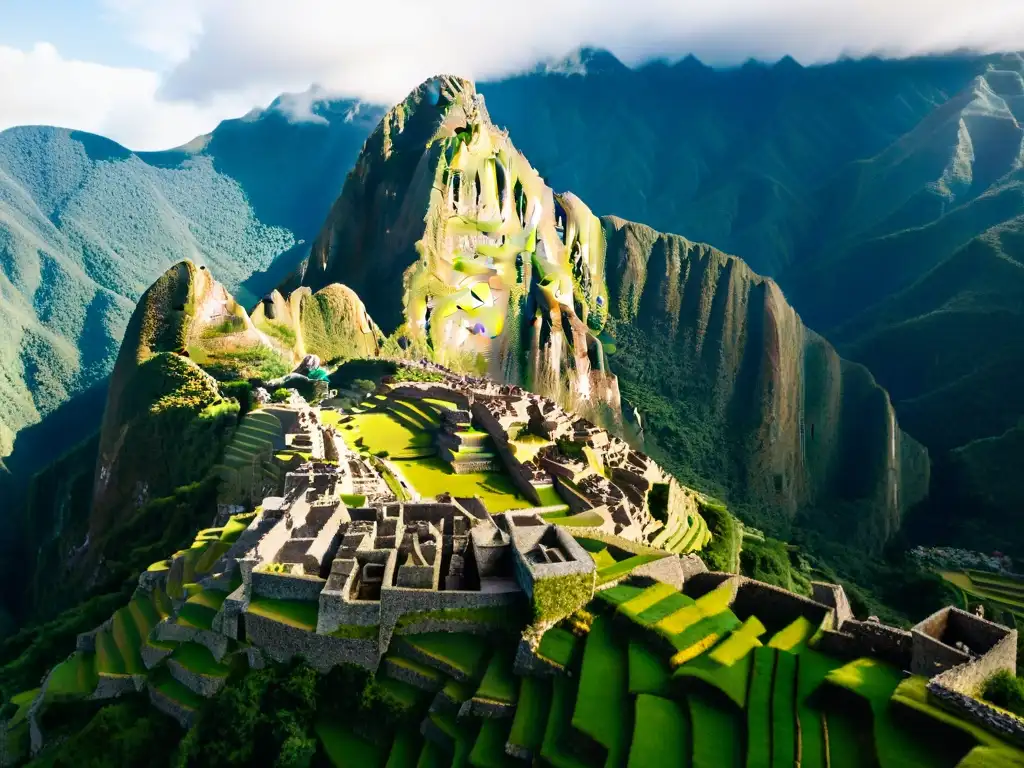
pixel 225 327
pixel 1006 690
pixel 767 561
pixel 405 373
pixel 239 390
pixel 557 597
pixel 363 385
pixel 720 554
pixel 280 395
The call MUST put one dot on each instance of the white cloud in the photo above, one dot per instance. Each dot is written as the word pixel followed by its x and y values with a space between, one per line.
pixel 380 50
pixel 39 87
pixel 222 56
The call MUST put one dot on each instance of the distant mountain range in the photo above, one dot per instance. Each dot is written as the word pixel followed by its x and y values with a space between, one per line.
pixel 883 196
pixel 87 225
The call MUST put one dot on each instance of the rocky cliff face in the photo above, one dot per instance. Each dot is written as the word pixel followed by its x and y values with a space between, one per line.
pixel 465 256
pixel 739 393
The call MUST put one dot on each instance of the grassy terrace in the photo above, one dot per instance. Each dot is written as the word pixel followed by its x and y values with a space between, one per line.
pixel 499 682
pixel 295 613
pixel 198 659
pixel 1004 591
pixel 531 714
pixel 162 681
pixel 462 652
pixel 404 433
pixel 346 750
pixel 602 703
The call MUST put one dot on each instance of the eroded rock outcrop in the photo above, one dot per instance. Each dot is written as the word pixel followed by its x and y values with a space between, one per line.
pixel 767 406
pixel 465 256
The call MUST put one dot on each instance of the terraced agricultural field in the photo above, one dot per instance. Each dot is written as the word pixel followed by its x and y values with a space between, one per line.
pixel 1005 591
pixel 404 432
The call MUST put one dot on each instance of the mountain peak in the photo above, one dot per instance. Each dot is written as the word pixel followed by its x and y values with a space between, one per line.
pixel 585 61
pixel 787 64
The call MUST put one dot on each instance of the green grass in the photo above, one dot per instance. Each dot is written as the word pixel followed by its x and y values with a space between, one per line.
pixel 603 559
pixel 499 682
pixel 464 652
pixel 198 659
pixel 850 740
pixel 405 750
pixel 625 567
pixel 759 709
pixel 196 615
pixel 554 749
pixel 812 669
pixel 489 748
pixel 108 657
pixel 871 678
pixel 162 681
pixel 346 750
pixel 793 637
pixel 432 477
pixel 531 713
pixel 602 705
pixel 432 756
pixel 649 598
pixel 301 614
pixel 422 670
pixel 701 636
pixel 648 672
pixel 784 726
pixel 406 696
pixel 126 636
pixel 731 679
pixel 619 594
pixel 386 431
pixel 76 676
pixel 661 734
pixel 557 645
pixel 717 734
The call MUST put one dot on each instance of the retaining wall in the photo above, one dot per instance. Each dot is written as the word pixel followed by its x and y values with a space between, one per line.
pixel 282 642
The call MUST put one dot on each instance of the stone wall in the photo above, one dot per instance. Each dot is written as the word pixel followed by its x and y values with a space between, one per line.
pixel 396 601
pixel 978 712
pixel 282 642
pixel 216 643
pixel 968 678
pixel 668 570
pixel 990 648
pixel 286 586
pixel 702 583
pixel 775 606
pixel 204 685
pixel 185 716
pixel 512 464
pixel 931 657
pixel 834 596
pixel 325 544
pixel 113 686
pixel 692 565
pixel 869 638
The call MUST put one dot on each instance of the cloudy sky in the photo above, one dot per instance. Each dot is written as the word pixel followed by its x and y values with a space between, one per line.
pixel 154 73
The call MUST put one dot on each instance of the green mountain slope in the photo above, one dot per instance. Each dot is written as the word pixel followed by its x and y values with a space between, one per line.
pixel 739 396
pixel 735 393
pixel 86 225
pixel 884 196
